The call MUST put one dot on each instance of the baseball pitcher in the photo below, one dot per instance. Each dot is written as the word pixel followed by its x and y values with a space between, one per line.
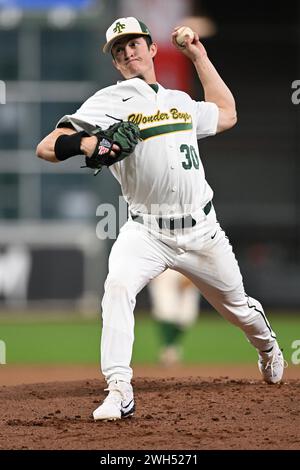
pixel 147 136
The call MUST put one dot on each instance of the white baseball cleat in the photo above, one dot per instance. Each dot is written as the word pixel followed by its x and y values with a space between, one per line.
pixel 271 364
pixel 118 404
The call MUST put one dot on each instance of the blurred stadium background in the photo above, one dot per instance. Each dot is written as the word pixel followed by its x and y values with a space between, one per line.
pixel 52 264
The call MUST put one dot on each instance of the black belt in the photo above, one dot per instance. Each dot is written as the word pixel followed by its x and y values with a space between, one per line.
pixel 172 223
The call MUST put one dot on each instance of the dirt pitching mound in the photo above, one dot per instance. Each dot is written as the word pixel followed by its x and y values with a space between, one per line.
pixel 172 413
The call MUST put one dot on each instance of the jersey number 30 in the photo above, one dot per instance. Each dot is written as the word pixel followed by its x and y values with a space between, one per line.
pixel 191 157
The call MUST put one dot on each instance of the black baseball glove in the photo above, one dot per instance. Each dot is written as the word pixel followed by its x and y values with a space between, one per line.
pixel 125 134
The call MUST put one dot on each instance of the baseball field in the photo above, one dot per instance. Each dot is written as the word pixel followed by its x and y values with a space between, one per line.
pixel 214 400
pixel 67 339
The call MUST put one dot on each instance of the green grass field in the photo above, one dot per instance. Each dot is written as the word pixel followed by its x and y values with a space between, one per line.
pixel 37 340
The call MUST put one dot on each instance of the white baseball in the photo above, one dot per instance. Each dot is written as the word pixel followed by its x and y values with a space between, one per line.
pixel 182 32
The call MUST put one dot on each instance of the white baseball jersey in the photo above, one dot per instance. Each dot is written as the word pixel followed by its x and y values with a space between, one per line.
pixel 165 168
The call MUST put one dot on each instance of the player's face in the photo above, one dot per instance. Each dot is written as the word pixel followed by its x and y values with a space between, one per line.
pixel 133 57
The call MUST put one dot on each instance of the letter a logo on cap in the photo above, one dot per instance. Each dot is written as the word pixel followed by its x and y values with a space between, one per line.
pixel 123 27
pixel 119 28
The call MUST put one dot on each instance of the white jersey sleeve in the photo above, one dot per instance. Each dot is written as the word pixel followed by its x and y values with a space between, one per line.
pixel 207 116
pixel 93 111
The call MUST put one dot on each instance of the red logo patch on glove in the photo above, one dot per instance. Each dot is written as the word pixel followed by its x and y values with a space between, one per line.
pixel 104 147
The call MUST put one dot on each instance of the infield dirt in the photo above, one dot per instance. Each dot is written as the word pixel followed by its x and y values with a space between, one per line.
pixel 173 412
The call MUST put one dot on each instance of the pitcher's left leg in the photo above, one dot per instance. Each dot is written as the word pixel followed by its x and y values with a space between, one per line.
pixel 216 273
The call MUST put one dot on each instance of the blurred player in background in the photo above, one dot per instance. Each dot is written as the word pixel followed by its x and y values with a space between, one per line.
pixel 175 304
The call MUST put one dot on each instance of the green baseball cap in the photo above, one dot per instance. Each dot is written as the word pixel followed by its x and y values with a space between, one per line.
pixel 124 27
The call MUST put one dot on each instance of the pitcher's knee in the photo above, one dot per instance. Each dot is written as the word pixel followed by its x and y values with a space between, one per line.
pixel 116 286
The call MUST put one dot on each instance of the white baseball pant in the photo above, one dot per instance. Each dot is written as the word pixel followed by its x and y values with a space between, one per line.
pixel 203 254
